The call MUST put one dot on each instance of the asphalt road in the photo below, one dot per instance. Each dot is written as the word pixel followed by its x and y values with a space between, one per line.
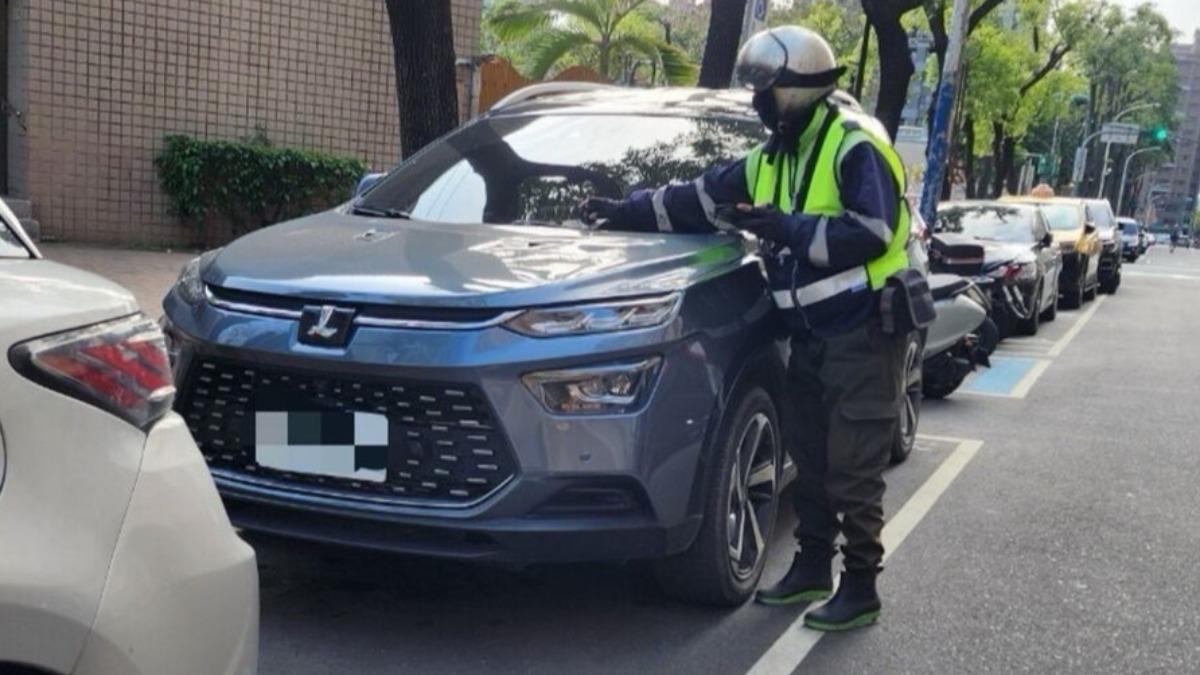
pixel 1044 527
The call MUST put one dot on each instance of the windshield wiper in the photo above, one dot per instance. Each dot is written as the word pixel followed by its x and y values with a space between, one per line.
pixel 360 210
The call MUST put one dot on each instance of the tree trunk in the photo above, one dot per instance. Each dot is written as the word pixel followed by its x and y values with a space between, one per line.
pixel 724 36
pixel 969 149
pixel 423 55
pixel 1009 167
pixel 895 63
pixel 997 159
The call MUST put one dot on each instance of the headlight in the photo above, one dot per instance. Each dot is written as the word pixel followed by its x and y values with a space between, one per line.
pixel 189 285
pixel 599 318
pixel 609 389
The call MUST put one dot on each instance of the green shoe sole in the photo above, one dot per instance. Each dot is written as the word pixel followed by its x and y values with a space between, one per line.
pixel 812 595
pixel 857 622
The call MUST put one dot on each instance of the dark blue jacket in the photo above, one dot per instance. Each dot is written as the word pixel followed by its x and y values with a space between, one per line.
pixel 868 190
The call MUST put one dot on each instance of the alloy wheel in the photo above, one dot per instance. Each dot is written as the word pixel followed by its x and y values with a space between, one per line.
pixel 912 396
pixel 752 488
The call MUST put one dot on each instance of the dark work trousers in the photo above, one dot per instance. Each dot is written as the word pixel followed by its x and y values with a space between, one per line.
pixel 847 393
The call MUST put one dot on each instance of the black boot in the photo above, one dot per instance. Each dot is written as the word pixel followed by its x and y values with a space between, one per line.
pixel 855 604
pixel 808 580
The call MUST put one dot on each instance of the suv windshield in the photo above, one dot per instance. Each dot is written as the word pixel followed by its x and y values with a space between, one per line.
pixel 10 244
pixel 1129 228
pixel 995 223
pixel 526 168
pixel 1062 216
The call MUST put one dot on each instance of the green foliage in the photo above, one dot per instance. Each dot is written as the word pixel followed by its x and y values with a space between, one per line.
pixel 611 36
pixel 249 183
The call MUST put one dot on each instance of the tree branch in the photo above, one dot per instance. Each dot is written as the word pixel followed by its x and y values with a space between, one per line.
pixel 981 13
pixel 1052 61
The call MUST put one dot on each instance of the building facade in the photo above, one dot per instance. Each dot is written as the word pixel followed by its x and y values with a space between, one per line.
pixel 1174 190
pixel 94 86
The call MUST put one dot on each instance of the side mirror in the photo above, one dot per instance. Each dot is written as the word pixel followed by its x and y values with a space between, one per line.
pixel 367 182
pixel 1047 240
pixel 1089 227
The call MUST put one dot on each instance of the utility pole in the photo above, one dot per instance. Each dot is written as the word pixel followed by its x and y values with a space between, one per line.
pixel 943 114
pixel 1125 174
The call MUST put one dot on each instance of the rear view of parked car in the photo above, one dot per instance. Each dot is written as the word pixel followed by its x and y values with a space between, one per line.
pixel 116 556
pixel 1078 242
pixel 1018 253
pixel 1133 239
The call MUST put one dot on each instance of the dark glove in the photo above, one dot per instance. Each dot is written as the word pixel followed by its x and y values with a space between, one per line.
pixel 765 222
pixel 595 209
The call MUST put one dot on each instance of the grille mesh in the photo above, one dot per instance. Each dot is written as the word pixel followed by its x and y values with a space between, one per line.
pixel 444 443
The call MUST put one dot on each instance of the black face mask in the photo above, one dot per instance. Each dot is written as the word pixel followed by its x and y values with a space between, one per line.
pixel 785 132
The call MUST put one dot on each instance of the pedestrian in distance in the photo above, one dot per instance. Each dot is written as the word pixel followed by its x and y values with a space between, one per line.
pixel 1175 233
pixel 825 198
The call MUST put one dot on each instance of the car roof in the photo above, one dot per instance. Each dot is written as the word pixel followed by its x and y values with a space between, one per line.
pixel 985 203
pixel 1029 199
pixel 682 101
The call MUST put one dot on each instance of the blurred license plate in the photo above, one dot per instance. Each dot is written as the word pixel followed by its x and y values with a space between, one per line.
pixel 350 445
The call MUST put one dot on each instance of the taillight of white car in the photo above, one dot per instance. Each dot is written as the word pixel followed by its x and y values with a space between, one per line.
pixel 119 366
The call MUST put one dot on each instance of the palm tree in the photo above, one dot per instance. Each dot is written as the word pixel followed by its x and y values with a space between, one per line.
pixel 600 33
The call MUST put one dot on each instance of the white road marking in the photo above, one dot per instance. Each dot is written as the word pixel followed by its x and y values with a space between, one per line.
pixel 1162 275
pixel 1030 378
pixel 1076 327
pixel 791 648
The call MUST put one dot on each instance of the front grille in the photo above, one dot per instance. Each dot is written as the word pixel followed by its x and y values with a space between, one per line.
pixel 267 302
pixel 444 444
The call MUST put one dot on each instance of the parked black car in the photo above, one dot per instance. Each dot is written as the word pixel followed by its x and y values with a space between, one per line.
pixel 1100 214
pixel 1018 253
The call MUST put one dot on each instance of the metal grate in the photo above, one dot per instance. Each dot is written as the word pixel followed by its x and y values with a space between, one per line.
pixel 443 442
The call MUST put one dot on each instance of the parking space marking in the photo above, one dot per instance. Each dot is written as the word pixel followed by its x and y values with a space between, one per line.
pixel 1008 377
pixel 795 644
pixel 1161 275
pixel 1077 327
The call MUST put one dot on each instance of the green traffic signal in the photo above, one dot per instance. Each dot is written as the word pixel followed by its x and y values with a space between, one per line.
pixel 1160 134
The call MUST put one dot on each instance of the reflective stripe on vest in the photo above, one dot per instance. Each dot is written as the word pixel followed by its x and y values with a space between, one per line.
pixel 824 196
pixel 854 279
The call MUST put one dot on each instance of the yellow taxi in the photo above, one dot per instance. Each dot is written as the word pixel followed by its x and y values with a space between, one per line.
pixel 1077 238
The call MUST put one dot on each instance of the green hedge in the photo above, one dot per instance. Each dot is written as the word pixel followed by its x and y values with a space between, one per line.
pixel 250 183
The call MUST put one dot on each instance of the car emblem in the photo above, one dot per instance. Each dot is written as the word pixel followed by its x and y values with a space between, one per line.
pixel 326 325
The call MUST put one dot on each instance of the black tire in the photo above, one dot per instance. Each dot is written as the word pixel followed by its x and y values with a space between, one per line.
pixel 707 573
pixel 940 376
pixel 1030 326
pixel 1073 296
pixel 1110 285
pixel 910 416
pixel 1006 321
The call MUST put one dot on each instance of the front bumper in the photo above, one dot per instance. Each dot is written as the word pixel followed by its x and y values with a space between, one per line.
pixel 600 487
pixel 182 588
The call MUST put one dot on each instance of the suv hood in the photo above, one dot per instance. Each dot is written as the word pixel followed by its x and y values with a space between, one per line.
pixel 334 256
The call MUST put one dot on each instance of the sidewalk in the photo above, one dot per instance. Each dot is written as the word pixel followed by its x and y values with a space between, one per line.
pixel 149 274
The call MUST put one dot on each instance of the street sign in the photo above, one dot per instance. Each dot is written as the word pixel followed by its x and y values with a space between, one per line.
pixel 1119 133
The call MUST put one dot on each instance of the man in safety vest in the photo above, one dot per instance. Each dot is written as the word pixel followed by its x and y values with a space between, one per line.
pixel 825 193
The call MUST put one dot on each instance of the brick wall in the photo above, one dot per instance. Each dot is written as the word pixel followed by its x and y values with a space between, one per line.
pixel 104 80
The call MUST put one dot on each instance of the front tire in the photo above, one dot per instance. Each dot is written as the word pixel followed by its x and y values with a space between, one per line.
pixel 1073 297
pixel 1030 326
pixel 723 565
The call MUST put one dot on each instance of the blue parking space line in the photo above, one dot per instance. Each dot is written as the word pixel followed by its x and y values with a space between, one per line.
pixel 1002 378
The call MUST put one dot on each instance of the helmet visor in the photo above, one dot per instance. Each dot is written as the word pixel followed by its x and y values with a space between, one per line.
pixel 762 60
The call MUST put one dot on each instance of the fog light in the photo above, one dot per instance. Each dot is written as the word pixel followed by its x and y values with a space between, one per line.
pixel 609 389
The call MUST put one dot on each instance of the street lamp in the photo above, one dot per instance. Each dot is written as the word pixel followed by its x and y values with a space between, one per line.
pixel 1108 147
pixel 1125 174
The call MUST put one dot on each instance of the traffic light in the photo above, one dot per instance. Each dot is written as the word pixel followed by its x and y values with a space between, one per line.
pixel 1159 134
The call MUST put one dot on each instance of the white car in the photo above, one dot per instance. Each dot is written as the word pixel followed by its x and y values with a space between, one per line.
pixel 116 555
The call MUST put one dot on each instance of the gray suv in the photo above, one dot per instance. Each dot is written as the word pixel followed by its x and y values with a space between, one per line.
pixel 453 365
